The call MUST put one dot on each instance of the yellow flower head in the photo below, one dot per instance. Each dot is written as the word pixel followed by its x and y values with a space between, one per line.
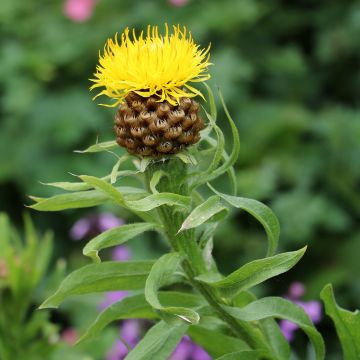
pixel 161 65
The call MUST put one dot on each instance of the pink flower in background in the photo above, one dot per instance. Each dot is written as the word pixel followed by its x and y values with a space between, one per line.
pixel 178 3
pixel 94 224
pixel 312 309
pixel 79 10
pixel 70 336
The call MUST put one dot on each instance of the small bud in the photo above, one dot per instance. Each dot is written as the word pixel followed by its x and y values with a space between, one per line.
pixel 147 117
pixel 164 147
pixel 138 106
pixel 185 103
pixel 145 150
pixel 138 132
pixel 121 131
pixel 176 116
pixel 159 125
pixel 131 143
pixel 131 120
pixel 150 140
pixel 162 110
pixel 173 133
pixel 186 137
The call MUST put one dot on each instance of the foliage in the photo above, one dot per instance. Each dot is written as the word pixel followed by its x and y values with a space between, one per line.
pixel 169 210
pixel 25 332
pixel 289 72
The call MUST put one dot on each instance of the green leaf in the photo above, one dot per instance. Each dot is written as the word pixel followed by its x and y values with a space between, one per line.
pixel 277 341
pixel 110 191
pixel 80 186
pixel 155 200
pixel 212 172
pixel 215 342
pixel 81 199
pixel 186 158
pixel 115 236
pixel 107 276
pixel 99 147
pixel 160 274
pixel 203 212
pixel 284 309
pixel 347 324
pixel 254 272
pixel 158 343
pixel 213 110
pixel 132 307
pixel 136 306
pixel 244 355
pixel 260 212
pixel 158 174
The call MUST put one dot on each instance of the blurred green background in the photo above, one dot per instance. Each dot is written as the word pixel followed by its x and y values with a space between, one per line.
pixel 290 74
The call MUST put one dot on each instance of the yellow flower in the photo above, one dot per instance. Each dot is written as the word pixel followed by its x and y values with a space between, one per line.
pixel 161 65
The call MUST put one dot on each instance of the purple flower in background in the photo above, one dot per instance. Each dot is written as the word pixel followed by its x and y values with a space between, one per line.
pixel 94 224
pixel 121 253
pixel 312 309
pixel 112 297
pixel 79 10
pixel 296 290
pixel 187 350
pixel 129 332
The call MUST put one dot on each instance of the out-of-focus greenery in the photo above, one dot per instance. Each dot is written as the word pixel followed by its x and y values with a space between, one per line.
pixel 290 73
pixel 24 282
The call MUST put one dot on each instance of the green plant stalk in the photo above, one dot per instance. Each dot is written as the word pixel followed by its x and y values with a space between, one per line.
pixel 175 181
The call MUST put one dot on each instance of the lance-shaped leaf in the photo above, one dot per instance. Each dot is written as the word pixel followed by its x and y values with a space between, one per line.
pixel 254 272
pixel 284 309
pixel 99 147
pixel 347 324
pixel 115 236
pixel 110 191
pixel 81 199
pixel 136 306
pixel 160 274
pixel 204 212
pixel 159 342
pixel 81 186
pixel 155 200
pixel 215 342
pixel 107 276
pixel 244 355
pixel 146 204
pixel 277 341
pixel 260 212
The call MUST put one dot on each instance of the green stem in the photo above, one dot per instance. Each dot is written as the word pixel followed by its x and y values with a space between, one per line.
pixel 185 243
